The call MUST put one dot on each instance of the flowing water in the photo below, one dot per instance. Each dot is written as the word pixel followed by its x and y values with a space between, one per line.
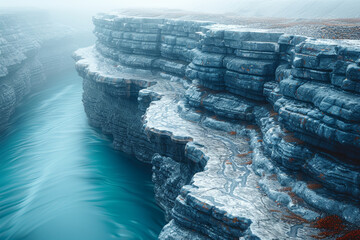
pixel 60 178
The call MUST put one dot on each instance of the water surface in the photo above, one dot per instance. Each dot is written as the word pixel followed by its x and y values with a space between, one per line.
pixel 60 178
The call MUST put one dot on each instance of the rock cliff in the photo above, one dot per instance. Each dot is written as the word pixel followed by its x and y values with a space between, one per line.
pixel 252 134
pixel 28 55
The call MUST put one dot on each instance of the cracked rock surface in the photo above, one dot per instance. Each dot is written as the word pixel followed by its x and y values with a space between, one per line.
pixel 251 133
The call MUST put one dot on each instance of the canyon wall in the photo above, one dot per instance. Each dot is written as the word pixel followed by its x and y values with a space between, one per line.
pixel 252 134
pixel 31 48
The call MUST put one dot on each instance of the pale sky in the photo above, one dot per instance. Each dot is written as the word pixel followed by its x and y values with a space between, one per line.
pixel 271 8
pixel 207 5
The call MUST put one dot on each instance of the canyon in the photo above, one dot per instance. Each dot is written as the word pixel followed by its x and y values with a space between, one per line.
pixel 59 177
pixel 252 134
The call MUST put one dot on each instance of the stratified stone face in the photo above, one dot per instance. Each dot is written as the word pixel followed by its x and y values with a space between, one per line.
pixel 235 59
pixel 251 134
pixel 313 105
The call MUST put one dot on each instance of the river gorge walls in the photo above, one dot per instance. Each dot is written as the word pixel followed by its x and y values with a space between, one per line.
pixel 252 134
pixel 32 47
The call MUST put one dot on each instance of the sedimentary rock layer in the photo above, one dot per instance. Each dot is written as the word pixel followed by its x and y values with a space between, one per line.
pixel 252 134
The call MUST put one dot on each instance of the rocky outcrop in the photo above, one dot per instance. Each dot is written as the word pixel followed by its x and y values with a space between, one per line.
pixel 27 56
pixel 252 134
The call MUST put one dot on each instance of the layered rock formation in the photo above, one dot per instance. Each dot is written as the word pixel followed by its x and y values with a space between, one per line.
pixel 252 134
pixel 27 55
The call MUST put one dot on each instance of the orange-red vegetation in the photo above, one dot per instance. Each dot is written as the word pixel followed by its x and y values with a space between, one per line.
pixel 291 139
pixel 228 162
pixel 330 226
pixel 285 189
pixel 273 210
pixel 232 133
pixel 294 217
pixel 244 154
pixel 205 206
pixel 199 111
pixel 247 163
pixel 216 118
pixel 295 198
pixel 202 99
pixel 260 140
pixel 272 177
pixel 303 121
pixel 285 130
pixel 314 186
pixel 273 113
pixel 252 127
pixel 352 235
pixel 322 176
pixel 332 222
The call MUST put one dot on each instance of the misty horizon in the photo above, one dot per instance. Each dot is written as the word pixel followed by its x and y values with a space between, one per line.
pixel 246 8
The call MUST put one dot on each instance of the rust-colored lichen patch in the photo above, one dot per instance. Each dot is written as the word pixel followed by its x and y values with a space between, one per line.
pixel 232 133
pixel 303 121
pixel 314 186
pixel 330 226
pixel 273 113
pixel 352 235
pixel 252 127
pixel 272 177
pixel 293 217
pixel 274 210
pixel 295 198
pixel 285 189
pixel 247 163
pixel 244 154
pixel 285 130
pixel 291 139
pixel 205 206
pixel 322 176
pixel 216 118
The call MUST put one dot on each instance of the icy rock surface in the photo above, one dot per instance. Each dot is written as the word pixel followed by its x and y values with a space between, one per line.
pixel 252 134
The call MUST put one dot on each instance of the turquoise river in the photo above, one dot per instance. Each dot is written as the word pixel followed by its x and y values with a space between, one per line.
pixel 60 178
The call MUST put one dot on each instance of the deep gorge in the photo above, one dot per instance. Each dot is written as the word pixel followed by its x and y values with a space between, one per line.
pixel 251 133
pixel 60 178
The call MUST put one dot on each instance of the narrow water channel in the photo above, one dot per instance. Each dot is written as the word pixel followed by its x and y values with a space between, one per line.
pixel 60 179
